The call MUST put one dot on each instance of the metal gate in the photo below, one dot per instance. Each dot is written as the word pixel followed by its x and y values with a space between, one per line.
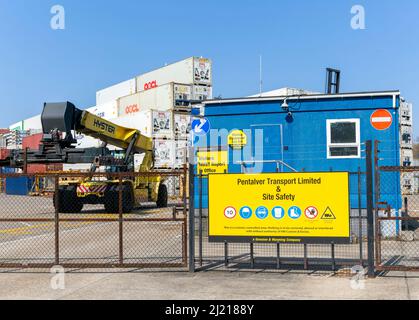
pixel 33 234
pixel 397 218
pixel 358 254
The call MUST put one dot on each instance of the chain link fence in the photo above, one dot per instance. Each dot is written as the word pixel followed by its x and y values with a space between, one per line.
pixel 94 220
pixel 280 256
pixel 397 219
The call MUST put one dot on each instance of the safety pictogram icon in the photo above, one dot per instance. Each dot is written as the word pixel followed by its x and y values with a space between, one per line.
pixel 311 213
pixel 381 119
pixel 230 212
pixel 328 214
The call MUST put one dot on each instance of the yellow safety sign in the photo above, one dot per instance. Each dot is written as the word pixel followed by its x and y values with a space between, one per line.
pixel 237 139
pixel 212 162
pixel 279 208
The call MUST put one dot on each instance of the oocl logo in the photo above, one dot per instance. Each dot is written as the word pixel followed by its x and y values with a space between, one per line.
pixel 132 109
pixel 150 85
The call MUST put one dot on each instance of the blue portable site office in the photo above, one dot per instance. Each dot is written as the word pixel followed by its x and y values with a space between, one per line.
pixel 310 133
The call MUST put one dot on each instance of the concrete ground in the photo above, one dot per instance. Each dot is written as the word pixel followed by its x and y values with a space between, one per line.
pixel 91 241
pixel 214 285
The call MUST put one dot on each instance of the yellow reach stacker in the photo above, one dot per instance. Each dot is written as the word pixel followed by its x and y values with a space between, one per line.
pixel 61 122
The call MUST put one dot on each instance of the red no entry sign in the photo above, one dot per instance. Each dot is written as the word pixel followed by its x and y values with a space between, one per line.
pixel 381 119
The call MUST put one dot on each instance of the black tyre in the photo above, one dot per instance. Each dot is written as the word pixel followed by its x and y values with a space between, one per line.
pixel 112 200
pixel 127 199
pixel 162 197
pixel 67 201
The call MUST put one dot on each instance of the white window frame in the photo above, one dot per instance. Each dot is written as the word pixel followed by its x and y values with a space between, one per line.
pixel 357 144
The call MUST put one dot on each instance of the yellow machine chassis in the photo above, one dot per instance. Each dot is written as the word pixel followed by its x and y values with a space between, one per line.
pixel 140 187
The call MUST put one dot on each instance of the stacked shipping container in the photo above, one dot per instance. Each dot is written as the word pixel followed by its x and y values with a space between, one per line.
pixel 114 92
pixel 33 142
pixel 4 153
pixel 158 103
pixel 13 139
pixel 192 71
pixel 409 184
pixel 3 141
pixel 172 89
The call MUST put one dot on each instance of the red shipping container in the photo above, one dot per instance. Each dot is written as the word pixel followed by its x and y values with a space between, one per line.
pixel 44 168
pixel 55 167
pixel 32 142
pixel 36 168
pixel 4 153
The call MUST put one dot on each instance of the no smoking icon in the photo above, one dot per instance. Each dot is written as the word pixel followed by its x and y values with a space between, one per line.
pixel 311 213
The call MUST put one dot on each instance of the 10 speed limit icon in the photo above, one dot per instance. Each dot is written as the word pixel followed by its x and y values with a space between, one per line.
pixel 230 212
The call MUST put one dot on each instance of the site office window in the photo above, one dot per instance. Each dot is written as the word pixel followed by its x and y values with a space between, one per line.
pixel 343 139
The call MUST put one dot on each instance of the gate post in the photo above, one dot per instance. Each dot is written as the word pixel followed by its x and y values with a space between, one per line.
pixel 370 209
pixel 200 227
pixel 57 220
pixel 191 217
pixel 120 221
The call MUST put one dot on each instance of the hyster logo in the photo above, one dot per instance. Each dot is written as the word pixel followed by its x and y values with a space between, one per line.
pixel 132 109
pixel 104 126
pixel 150 85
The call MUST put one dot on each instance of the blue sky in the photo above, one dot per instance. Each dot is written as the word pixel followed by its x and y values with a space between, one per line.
pixel 106 42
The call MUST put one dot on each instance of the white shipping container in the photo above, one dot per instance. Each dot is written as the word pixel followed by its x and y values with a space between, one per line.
pixel 181 153
pixel 202 93
pixel 152 123
pixel 3 141
pixel 161 99
pixel 189 71
pixel 165 97
pixel 129 106
pixel 406 157
pixel 182 93
pixel 15 137
pixel 406 136
pixel 117 91
pixel 105 111
pixel 138 122
pixel 164 154
pixel 162 124
pixel 284 92
pixel 81 167
pixel 406 113
pixel 18 126
pixel 33 124
pixel 182 125
pixel 14 146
